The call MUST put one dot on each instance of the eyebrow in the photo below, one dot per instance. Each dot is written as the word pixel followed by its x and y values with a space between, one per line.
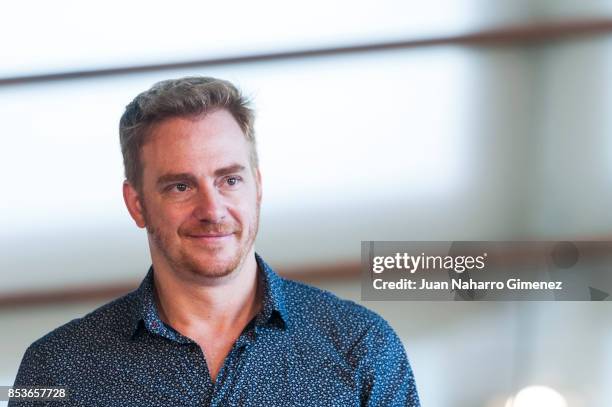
pixel 229 170
pixel 186 176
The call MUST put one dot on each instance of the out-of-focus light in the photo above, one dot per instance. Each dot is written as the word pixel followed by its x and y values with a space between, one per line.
pixel 537 396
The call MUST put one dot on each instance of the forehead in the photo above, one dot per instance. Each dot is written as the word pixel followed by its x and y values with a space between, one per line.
pixel 195 144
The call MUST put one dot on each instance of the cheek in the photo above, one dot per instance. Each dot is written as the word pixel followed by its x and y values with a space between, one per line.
pixel 170 217
pixel 245 212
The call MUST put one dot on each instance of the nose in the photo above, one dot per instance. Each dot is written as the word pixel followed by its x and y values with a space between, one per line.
pixel 209 205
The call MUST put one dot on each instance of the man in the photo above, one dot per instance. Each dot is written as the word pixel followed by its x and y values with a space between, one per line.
pixel 212 324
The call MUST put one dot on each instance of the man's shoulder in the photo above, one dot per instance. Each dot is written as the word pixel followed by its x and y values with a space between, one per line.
pixel 105 323
pixel 68 352
pixel 319 300
pixel 353 339
pixel 323 311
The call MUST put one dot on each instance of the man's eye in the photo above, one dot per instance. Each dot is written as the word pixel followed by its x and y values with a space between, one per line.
pixel 233 181
pixel 181 187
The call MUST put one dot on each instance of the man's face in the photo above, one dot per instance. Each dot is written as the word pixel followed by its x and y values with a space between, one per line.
pixel 200 197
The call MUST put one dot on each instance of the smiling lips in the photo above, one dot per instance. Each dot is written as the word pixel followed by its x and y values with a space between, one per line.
pixel 211 236
pixel 211 233
pixel 210 239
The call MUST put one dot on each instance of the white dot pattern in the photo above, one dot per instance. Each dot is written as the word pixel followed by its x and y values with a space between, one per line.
pixel 306 347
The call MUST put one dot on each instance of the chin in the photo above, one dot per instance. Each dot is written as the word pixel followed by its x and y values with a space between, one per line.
pixel 216 265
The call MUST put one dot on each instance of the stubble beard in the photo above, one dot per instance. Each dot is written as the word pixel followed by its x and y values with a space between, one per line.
pixel 181 261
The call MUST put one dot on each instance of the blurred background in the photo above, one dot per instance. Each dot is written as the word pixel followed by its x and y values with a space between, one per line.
pixel 387 120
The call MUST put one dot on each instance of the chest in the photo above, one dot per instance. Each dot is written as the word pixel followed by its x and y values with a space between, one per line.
pixel 271 370
pixel 215 350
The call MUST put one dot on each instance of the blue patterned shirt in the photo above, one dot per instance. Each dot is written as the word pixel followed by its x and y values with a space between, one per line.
pixel 306 347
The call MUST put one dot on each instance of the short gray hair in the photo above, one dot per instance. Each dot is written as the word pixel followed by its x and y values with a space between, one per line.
pixel 184 97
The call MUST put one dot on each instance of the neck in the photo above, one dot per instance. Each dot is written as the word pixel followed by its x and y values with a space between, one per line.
pixel 192 304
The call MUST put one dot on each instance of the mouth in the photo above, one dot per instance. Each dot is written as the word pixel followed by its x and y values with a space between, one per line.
pixel 208 238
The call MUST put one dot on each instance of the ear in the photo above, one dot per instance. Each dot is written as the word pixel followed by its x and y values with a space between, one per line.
pixel 133 204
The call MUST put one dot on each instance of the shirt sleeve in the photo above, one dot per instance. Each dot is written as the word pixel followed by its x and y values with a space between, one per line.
pixel 31 373
pixel 384 370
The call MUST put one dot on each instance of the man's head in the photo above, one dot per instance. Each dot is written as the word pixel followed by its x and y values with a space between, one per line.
pixel 184 97
pixel 192 176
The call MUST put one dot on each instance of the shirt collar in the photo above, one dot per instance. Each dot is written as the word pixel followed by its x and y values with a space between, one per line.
pixel 273 312
pixel 274 307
